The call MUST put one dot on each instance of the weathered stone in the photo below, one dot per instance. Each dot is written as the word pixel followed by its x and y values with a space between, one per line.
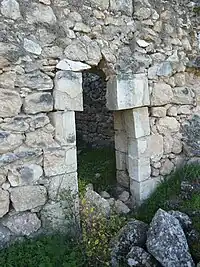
pixel 10 9
pixel 158 112
pixel 155 147
pixel 84 49
pixel 9 141
pixel 120 160
pixel 81 27
pixel 10 103
pixel 177 146
pixel 172 111
pixel 105 194
pixel 35 80
pixel 67 64
pixel 123 6
pixel 38 102
pixel 59 217
pixel 65 130
pixel 182 96
pixel 121 208
pixel 28 197
pixel 165 69
pixel 40 138
pixel 94 200
pixel 138 257
pixel 7 80
pixel 166 241
pixel 68 91
pixel 142 190
pixel 127 91
pixel 134 233
pixel 167 167
pixel 5 236
pixel 124 196
pixel 4 202
pixel 167 143
pixel 16 124
pixel 137 122
pixel 123 178
pixel 184 219
pixel 22 223
pixel 25 175
pixel 143 13
pixel 168 125
pixel 161 94
pixel 60 161
pixel 63 186
pixel 32 47
pixel 41 14
pixel 179 79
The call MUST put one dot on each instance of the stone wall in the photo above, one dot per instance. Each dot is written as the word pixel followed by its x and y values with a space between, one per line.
pixel 144 50
pixel 95 125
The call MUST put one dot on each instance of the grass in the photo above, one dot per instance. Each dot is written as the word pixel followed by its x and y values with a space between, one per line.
pixel 49 251
pixel 97 166
pixel 169 189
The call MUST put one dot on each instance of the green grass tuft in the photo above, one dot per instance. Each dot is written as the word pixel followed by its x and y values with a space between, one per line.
pixel 93 161
pixel 51 251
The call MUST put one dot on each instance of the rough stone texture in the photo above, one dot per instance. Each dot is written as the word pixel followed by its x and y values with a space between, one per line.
pixel 28 197
pixel 132 234
pixel 22 223
pixel 68 91
pixel 4 201
pixel 138 257
pixel 38 102
pixel 95 125
pixel 127 91
pixel 94 200
pixel 166 241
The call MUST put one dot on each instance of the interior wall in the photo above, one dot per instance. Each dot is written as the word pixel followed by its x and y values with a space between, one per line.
pixel 94 125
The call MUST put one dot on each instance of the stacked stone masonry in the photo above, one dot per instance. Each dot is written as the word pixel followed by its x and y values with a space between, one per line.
pixel 95 124
pixel 143 47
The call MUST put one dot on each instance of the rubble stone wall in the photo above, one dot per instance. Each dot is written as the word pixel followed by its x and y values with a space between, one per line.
pixel 95 124
pixel 143 47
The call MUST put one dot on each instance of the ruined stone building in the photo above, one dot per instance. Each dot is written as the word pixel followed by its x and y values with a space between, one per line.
pixel 148 51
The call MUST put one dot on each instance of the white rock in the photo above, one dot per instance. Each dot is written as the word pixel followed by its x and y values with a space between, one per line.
pixel 32 47
pixel 25 175
pixel 168 124
pixel 142 43
pixel 65 128
pixel 10 103
pixel 23 223
pixel 161 94
pixel 4 202
pixel 60 161
pixel 10 9
pixel 66 64
pixel 41 13
pixel 167 167
pixel 28 197
pixel 127 91
pixel 158 112
pixel 121 208
pixel 68 91
pixel 124 196
pixel 38 102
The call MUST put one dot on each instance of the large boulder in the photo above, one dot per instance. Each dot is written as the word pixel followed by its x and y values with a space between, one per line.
pixel 166 241
pixel 138 257
pixel 134 233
